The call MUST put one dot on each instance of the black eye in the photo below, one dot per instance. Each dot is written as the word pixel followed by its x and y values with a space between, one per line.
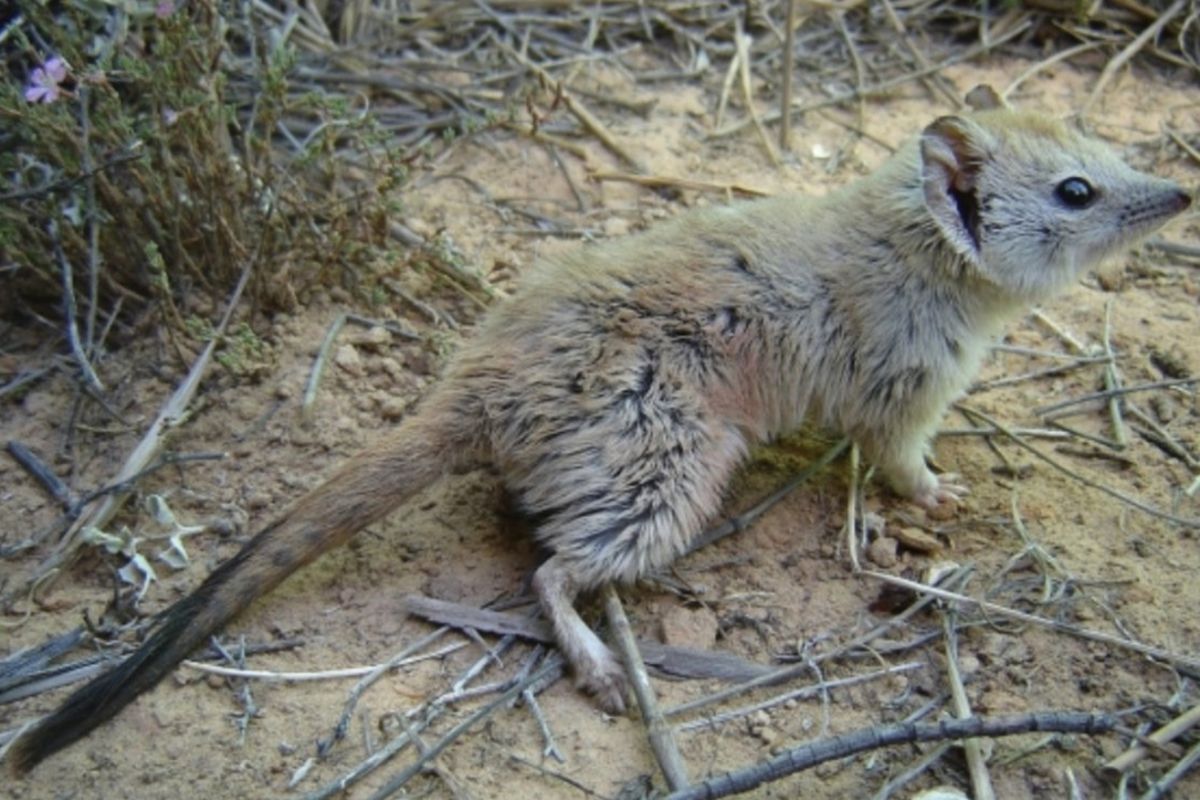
pixel 1075 193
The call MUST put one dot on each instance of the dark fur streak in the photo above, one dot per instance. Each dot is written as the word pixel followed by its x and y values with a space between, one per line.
pixel 603 537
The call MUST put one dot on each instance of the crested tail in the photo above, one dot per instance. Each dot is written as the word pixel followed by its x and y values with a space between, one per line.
pixel 362 491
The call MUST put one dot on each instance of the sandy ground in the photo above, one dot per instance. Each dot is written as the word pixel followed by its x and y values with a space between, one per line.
pixel 782 587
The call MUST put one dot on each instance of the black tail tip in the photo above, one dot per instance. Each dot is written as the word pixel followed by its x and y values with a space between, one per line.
pixel 21 756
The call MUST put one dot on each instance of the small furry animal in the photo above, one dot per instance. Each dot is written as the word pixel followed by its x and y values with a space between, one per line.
pixel 618 390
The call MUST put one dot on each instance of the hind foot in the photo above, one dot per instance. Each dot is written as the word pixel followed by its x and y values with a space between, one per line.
pixel 605 680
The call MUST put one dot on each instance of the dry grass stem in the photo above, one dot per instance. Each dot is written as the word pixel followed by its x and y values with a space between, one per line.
pixel 660 732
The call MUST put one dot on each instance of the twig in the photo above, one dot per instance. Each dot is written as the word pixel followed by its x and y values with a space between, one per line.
pixel 795 694
pixel 368 765
pixel 662 735
pixel 1044 411
pixel 1162 438
pixel 1048 372
pixel 149 445
pixel 679 662
pixel 397 781
pixel 875 737
pixel 1167 733
pixel 1065 336
pixel 321 675
pixel 793 671
pixel 981 782
pixel 1172 776
pixel 923 763
pixel 1179 660
pixel 852 511
pixel 1108 490
pixel 785 91
pixel 1130 50
pixel 558 776
pixel 578 109
pixel 883 87
pixel 318 368
pixel 40 472
pixel 343 723
pixel 1112 381
pixel 1034 69
pixel 70 312
pixel 742 40
pixel 664 181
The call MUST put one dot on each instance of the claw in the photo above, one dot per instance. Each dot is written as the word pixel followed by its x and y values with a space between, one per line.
pixel 945 491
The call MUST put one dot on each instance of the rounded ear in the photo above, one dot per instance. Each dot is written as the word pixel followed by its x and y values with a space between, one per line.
pixel 953 151
pixel 984 98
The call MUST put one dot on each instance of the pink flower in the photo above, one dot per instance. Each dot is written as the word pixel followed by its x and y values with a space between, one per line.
pixel 164 9
pixel 44 84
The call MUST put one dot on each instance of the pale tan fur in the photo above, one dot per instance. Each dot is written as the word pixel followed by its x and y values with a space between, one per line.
pixel 621 387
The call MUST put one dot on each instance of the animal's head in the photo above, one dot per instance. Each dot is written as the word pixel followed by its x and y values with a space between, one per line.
pixel 1030 203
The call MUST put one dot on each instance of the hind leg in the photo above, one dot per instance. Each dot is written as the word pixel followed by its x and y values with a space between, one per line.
pixel 617 519
pixel 597 670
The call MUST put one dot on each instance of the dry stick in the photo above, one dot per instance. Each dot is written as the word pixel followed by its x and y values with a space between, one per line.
pixel 1118 61
pixel 1031 433
pixel 318 368
pixel 1172 776
pixel 578 109
pixel 923 763
pixel 343 723
pixel 1108 490
pixel 860 741
pixel 93 225
pixel 981 782
pixel 789 60
pixel 726 87
pixel 931 82
pixel 1047 372
pixel 549 773
pixel 1174 248
pixel 320 675
pixel 70 311
pixel 661 734
pixel 802 693
pixel 149 445
pixel 1124 390
pixel 852 511
pixel 1112 381
pixel 1167 733
pixel 41 473
pixel 1047 62
pixel 860 110
pixel 1191 663
pixel 1065 336
pixel 1162 438
pixel 314 377
pixel 664 181
pixel 883 86
pixel 339 785
pixel 743 45
pixel 1192 152
pixel 397 782
pixel 795 670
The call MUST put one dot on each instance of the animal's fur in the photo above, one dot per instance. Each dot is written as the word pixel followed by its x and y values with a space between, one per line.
pixel 621 386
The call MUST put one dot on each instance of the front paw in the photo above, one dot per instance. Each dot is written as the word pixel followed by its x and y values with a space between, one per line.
pixel 941 491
